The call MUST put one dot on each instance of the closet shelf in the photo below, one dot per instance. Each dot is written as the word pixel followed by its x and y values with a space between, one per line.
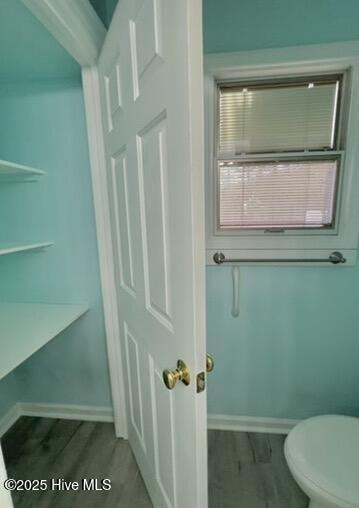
pixel 26 327
pixel 10 171
pixel 13 248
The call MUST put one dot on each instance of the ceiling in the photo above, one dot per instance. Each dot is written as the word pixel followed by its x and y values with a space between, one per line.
pixel 27 50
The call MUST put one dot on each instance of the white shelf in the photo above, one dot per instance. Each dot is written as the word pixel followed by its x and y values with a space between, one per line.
pixel 13 248
pixel 26 327
pixel 12 171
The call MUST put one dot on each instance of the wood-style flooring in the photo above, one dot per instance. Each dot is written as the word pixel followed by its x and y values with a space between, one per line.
pixel 44 448
pixel 249 470
pixel 246 470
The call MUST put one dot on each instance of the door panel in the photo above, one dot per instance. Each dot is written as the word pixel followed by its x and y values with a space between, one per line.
pixel 165 439
pixel 152 160
pixel 150 73
pixel 146 43
pixel 121 200
pixel 134 384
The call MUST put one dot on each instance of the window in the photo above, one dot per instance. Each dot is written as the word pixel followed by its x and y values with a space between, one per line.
pixel 282 156
pixel 278 194
pixel 277 154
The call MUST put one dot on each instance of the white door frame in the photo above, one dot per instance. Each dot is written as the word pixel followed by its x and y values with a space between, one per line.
pixel 76 26
pixel 5 496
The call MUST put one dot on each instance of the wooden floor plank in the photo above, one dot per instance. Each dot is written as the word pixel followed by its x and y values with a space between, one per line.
pixel 42 448
pixel 246 470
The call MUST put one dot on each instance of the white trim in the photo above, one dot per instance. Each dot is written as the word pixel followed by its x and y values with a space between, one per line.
pixel 67 412
pixel 9 418
pixel 75 25
pixel 104 240
pixel 251 424
pixel 315 59
pixel 63 412
pixel 5 496
pixel 265 59
pixel 105 414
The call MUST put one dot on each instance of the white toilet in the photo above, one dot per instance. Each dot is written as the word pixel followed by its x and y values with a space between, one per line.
pixel 323 456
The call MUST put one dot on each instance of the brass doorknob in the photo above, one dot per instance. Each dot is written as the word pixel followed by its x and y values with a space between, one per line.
pixel 209 363
pixel 170 377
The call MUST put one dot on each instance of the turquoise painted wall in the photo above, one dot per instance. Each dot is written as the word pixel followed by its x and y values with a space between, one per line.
pixel 237 25
pixel 104 9
pixel 293 351
pixel 43 124
pixel 32 53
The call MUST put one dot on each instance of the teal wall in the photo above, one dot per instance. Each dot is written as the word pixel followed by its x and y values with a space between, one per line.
pixel 238 25
pixel 32 53
pixel 104 9
pixel 293 351
pixel 43 124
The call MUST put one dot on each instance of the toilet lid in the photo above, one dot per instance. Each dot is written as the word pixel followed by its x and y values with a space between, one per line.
pixel 325 450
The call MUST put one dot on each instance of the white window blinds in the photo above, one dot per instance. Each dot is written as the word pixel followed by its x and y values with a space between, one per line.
pixel 285 194
pixel 277 117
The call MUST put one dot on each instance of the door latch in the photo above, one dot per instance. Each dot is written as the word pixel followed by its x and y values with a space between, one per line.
pixel 201 382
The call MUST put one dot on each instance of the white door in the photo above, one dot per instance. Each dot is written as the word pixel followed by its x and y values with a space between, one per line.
pixel 150 72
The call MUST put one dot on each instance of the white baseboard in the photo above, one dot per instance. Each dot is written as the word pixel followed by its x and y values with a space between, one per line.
pixel 65 412
pixel 251 424
pixel 105 414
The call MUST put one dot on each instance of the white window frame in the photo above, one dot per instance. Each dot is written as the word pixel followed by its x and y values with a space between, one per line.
pixel 338 58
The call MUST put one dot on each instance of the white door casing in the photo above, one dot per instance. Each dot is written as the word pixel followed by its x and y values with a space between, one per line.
pixel 150 78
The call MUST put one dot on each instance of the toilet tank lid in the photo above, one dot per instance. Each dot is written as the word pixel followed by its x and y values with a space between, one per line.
pixel 325 450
